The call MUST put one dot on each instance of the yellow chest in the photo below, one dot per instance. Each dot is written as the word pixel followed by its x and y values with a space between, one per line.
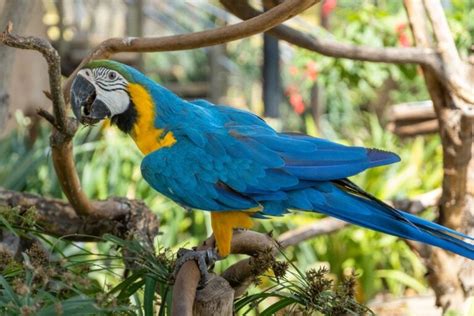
pixel 147 137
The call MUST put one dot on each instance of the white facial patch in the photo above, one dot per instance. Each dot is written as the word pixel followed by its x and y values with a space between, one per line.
pixel 110 87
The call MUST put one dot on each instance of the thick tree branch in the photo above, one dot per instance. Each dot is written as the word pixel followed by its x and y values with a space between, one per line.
pixel 243 242
pixel 257 24
pixel 57 217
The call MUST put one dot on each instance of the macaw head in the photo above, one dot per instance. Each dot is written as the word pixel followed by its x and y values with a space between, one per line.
pixel 101 90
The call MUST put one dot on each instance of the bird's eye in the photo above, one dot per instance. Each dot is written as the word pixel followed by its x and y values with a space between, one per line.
pixel 88 73
pixel 112 75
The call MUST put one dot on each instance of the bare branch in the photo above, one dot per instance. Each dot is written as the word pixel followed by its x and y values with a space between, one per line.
pixel 64 165
pixel 319 227
pixel 412 118
pixel 329 47
pixel 48 117
pixel 258 24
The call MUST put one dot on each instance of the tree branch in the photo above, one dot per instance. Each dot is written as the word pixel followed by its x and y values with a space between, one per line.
pixel 453 66
pixel 412 119
pixel 243 242
pixel 52 58
pixel 58 218
pixel 332 48
pixel 444 38
pixel 255 25
pixel 320 227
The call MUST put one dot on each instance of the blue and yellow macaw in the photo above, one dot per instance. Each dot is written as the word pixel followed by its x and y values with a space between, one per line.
pixel 231 163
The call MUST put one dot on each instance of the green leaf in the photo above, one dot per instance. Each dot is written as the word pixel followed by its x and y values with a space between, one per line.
pixel 149 295
pixel 130 290
pixel 9 291
pixel 272 309
pixel 403 278
pixel 77 305
pixel 8 226
pixel 128 281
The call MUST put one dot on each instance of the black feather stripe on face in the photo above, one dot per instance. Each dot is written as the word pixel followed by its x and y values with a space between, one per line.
pixel 127 119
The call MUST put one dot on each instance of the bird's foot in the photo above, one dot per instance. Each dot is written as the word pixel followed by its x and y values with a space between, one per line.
pixel 203 259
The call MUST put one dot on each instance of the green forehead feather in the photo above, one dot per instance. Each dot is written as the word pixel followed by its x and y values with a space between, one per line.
pixel 110 64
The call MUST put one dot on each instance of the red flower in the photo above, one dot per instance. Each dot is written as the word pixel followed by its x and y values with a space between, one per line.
pixel 328 6
pixel 400 27
pixel 296 100
pixel 311 70
pixel 293 70
pixel 403 38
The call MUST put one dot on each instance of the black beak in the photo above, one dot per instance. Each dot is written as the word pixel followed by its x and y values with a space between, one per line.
pixel 85 105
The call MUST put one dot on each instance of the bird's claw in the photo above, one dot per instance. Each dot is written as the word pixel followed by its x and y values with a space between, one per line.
pixel 203 259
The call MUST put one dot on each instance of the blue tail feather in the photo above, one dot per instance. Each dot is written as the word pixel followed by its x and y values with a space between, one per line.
pixel 371 213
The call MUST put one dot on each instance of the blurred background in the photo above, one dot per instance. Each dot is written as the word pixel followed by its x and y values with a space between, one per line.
pixel 356 103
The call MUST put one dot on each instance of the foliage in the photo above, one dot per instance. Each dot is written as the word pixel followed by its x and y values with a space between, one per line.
pixel 44 283
pixel 290 290
pixel 58 277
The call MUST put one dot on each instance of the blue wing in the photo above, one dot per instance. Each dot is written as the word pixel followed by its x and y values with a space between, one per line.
pixel 229 159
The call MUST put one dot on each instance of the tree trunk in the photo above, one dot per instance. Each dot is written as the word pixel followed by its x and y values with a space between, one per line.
pixel 449 275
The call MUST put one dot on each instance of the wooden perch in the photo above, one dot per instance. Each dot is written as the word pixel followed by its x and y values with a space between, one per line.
pixel 413 118
pixel 185 296
pixel 64 127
